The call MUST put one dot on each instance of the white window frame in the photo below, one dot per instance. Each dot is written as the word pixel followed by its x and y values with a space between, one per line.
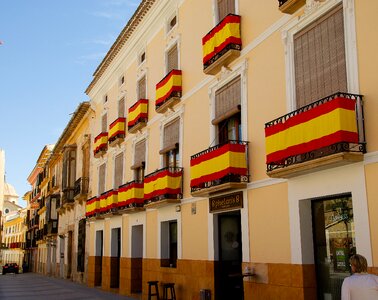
pixel 123 167
pixel 174 42
pixel 168 28
pixel 313 12
pixel 215 11
pixel 136 140
pixel 226 77
pixel 139 77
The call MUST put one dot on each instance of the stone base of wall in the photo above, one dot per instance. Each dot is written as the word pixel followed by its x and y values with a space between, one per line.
pixel 94 271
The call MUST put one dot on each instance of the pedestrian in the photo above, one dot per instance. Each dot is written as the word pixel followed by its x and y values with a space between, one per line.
pixel 361 285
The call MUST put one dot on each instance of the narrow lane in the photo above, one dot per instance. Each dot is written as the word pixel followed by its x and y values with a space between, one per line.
pixel 34 286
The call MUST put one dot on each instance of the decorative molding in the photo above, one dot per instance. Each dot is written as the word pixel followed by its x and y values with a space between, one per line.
pixel 371 158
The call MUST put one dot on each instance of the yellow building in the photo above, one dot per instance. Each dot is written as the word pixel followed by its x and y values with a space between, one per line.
pixel 13 238
pixel 233 151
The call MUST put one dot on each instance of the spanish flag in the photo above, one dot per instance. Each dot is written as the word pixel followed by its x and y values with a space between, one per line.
pixel 131 193
pixel 225 33
pixel 324 125
pixel 169 87
pixel 137 112
pixel 162 183
pixel 213 165
pixel 117 128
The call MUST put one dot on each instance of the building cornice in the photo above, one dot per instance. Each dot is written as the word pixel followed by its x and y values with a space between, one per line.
pixel 125 34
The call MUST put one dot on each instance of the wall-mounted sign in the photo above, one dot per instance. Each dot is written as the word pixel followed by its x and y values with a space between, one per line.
pixel 226 202
pixel 34 205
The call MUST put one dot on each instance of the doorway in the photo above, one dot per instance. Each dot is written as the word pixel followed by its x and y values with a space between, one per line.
pixel 98 258
pixel 334 243
pixel 69 255
pixel 228 256
pixel 61 261
pixel 136 258
pixel 115 257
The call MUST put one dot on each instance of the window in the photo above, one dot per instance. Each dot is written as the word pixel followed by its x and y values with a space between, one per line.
pixel 225 7
pixel 139 160
pixel 118 170
pixel 171 144
pixel 121 80
pixel 121 108
pixel 227 111
pixel 81 246
pixel 172 22
pixel 104 123
pixel 105 98
pixel 69 171
pixel 169 244
pixel 319 58
pixel 142 57
pixel 101 179
pixel 142 88
pixel 172 59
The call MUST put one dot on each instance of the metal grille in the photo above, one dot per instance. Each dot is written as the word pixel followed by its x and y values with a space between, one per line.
pixel 319 54
pixel 227 97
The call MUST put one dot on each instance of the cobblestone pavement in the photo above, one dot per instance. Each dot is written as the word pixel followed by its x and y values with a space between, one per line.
pixel 34 286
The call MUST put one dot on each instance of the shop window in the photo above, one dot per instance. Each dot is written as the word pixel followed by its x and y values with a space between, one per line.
pixel 169 244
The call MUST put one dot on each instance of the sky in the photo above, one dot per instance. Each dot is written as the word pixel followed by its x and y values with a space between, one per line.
pixel 49 51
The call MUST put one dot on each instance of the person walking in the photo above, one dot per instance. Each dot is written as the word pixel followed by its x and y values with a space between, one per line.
pixel 361 285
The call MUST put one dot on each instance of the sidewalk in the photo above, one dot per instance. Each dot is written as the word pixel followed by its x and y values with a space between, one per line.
pixel 32 286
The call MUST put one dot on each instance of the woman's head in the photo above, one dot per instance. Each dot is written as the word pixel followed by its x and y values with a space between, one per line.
pixel 358 263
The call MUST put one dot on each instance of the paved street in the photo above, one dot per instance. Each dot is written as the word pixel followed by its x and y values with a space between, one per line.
pixel 33 286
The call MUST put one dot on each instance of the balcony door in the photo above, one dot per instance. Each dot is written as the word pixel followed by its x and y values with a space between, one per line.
pixel 228 254
pixel 334 243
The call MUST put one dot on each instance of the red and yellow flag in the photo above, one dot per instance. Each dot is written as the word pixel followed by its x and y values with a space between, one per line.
pixel 131 193
pixel 170 85
pixel 162 183
pixel 117 128
pixel 100 141
pixel 111 199
pixel 213 165
pixel 225 33
pixel 321 126
pixel 91 207
pixel 138 111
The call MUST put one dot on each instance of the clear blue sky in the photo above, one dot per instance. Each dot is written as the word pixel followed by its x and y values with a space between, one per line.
pixel 50 50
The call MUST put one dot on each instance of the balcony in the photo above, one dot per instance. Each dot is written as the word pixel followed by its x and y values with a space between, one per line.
pixel 52 228
pixel 290 6
pixel 219 168
pixel 44 229
pixel 324 134
pixel 81 189
pixel 68 197
pixel 92 207
pixel 138 116
pixel 100 144
pixel 131 197
pixel 117 132
pixel 107 203
pixel 168 91
pixel 163 187
pixel 221 45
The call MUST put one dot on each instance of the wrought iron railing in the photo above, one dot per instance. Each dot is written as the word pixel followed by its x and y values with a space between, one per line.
pixel 229 177
pixel 81 186
pixel 68 195
pixel 328 150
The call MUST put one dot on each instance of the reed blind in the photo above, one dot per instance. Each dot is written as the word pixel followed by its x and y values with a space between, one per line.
pixel 319 57
pixel 225 7
pixel 104 123
pixel 101 179
pixel 121 108
pixel 142 88
pixel 118 170
pixel 227 97
pixel 172 59
pixel 140 153
pixel 171 134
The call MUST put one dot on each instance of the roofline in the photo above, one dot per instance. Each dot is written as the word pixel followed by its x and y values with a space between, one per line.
pixel 77 116
pixel 125 34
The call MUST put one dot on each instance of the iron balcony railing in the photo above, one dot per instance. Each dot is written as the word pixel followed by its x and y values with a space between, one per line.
pixel 232 169
pixel 52 227
pixel 68 195
pixel 81 186
pixel 337 147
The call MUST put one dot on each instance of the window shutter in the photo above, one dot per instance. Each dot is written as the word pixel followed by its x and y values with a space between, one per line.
pixel 171 135
pixel 142 88
pixel 118 170
pixel 121 108
pixel 225 7
pixel 140 153
pixel 227 98
pixel 172 58
pixel 319 56
pixel 104 123
pixel 101 179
